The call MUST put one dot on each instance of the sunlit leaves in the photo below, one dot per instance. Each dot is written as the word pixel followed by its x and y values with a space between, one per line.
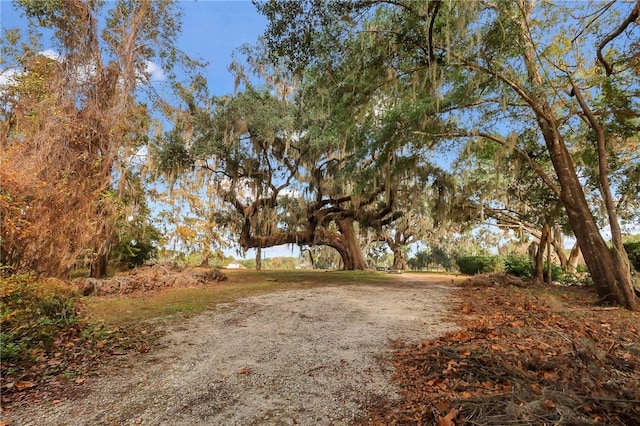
pixel 75 126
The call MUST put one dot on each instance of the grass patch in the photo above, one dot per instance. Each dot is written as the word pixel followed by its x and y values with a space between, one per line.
pixel 243 283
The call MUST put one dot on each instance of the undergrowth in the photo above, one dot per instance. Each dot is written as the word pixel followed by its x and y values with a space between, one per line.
pixel 32 312
pixel 46 341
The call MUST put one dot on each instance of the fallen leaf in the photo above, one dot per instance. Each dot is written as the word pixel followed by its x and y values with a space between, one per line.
pixel 448 419
pixel 549 404
pixel 25 385
pixel 536 388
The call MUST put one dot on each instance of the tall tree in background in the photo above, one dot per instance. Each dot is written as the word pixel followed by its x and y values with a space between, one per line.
pixel 495 71
pixel 421 199
pixel 70 122
pixel 284 188
pixel 195 216
pixel 511 196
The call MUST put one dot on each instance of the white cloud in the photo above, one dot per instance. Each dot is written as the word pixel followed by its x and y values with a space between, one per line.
pixel 154 72
pixel 7 77
pixel 51 54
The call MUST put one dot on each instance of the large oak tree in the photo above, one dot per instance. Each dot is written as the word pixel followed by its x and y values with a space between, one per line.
pixel 490 70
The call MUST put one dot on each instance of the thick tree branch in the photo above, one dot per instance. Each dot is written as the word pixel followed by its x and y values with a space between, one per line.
pixel 603 167
pixel 633 16
pixel 436 7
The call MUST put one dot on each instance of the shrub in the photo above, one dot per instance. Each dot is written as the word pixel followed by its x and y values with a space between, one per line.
pixel 519 265
pixel 633 251
pixel 557 273
pixel 472 265
pixel 31 314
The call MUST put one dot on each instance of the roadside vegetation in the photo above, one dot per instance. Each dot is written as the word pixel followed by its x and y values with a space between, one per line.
pixel 52 337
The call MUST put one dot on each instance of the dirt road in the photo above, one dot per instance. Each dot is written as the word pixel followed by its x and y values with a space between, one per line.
pixel 310 357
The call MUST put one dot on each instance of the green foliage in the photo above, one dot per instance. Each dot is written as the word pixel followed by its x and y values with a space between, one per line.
pixel 582 268
pixel 419 261
pixel 249 263
pixel 134 253
pixel 480 264
pixel 435 258
pixel 557 273
pixel 45 11
pixel 440 257
pixel 519 265
pixel 173 156
pixel 31 314
pixel 137 247
pixel 272 263
pixel 633 251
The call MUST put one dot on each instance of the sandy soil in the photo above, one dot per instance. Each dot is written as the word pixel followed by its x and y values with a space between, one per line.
pixel 311 357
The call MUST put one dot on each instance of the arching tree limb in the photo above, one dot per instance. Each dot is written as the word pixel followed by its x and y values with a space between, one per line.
pixel 633 16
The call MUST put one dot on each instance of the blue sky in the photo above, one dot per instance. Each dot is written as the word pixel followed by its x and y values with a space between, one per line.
pixel 212 30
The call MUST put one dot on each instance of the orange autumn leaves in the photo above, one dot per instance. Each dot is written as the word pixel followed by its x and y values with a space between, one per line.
pixel 524 356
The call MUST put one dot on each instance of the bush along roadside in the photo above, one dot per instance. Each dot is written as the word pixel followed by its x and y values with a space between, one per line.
pixel 32 313
pixel 517 265
pixel 44 340
pixel 472 265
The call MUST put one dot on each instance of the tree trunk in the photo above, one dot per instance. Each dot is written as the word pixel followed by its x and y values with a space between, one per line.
pixel 311 259
pixel 258 258
pixel 558 245
pixel 572 262
pixel 609 269
pixel 549 265
pixel 533 252
pixel 98 267
pixel 204 263
pixel 399 259
pixel 350 252
pixel 540 254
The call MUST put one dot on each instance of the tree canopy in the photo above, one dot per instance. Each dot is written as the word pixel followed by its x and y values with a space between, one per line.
pixel 514 74
pixel 71 121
